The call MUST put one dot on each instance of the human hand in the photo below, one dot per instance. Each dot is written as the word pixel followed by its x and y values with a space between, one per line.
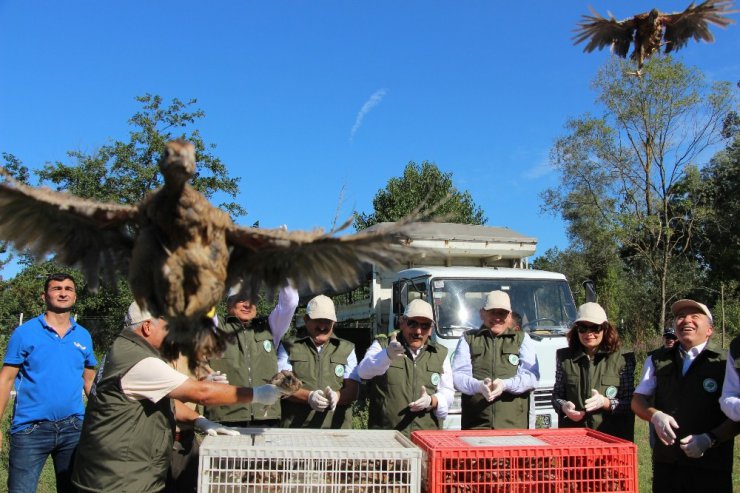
pixel 318 401
pixel 333 398
pixel 484 388
pixel 497 388
pixel 395 349
pixel 423 403
pixel 211 428
pixel 570 411
pixel 216 377
pixel 267 394
pixel 694 446
pixel 596 402
pixel 664 424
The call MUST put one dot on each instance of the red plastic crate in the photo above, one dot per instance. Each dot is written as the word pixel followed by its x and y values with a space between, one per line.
pixel 565 460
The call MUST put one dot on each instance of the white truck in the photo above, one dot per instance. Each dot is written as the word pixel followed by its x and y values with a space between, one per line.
pixel 454 267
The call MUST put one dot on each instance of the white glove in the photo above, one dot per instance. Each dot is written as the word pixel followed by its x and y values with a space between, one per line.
pixel 664 424
pixel 333 398
pixel 570 411
pixel 423 403
pixel 484 388
pixel 212 429
pixel 694 446
pixel 497 388
pixel 267 394
pixel 595 402
pixel 217 377
pixel 318 401
pixel 395 349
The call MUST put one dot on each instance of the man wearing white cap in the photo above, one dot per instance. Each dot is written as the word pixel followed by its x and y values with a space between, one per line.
pixel 410 379
pixel 495 367
pixel 327 366
pixel 127 435
pixel 694 450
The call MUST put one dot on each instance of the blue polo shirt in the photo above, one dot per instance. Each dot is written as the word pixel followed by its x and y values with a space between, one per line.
pixel 49 383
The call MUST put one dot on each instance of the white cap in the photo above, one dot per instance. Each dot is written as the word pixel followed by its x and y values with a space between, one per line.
pixel 136 315
pixel 681 304
pixel 497 300
pixel 419 308
pixel 592 313
pixel 321 307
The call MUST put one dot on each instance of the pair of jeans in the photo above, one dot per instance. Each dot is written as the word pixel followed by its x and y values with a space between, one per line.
pixel 31 446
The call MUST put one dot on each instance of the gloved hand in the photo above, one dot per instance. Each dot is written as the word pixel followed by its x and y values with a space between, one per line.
pixel 694 446
pixel 333 398
pixel 395 349
pixel 484 388
pixel 212 429
pixel 318 401
pixel 497 388
pixel 216 377
pixel 570 411
pixel 423 403
pixel 664 424
pixel 596 402
pixel 267 394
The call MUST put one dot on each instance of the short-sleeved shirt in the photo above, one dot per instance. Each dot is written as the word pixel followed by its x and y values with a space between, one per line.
pixel 50 376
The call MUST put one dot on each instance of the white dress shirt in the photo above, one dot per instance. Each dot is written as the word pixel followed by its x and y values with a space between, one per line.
pixel 729 401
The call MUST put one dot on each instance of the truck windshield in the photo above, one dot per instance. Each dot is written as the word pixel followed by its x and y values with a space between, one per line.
pixel 540 306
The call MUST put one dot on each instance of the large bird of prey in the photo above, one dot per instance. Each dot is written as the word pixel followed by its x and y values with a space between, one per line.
pixel 651 30
pixel 180 252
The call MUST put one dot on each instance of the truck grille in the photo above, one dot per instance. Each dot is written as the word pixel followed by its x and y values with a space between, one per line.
pixel 543 398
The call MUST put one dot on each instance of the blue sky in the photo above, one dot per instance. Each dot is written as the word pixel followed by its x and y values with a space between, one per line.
pixel 315 105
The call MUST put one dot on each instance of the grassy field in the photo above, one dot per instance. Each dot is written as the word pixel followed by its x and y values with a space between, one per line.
pixel 47 483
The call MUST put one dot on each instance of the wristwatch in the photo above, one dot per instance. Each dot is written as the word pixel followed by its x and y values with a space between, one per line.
pixel 712 439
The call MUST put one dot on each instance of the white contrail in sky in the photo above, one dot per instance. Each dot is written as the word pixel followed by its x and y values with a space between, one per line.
pixel 371 103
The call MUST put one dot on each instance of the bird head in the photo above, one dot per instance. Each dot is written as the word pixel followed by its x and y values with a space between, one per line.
pixel 178 161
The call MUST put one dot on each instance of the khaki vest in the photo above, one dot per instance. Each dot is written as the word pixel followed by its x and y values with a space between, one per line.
pixel 317 370
pixel 250 360
pixel 125 445
pixel 580 375
pixel 693 400
pixel 494 357
pixel 391 392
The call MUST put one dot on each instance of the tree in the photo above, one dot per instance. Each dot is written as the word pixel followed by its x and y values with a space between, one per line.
pixel 620 171
pixel 421 185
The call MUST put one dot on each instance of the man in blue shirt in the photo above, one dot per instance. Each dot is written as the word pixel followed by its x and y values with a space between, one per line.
pixel 51 360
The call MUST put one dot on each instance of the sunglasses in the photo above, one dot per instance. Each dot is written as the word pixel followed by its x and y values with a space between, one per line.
pixel 583 328
pixel 414 324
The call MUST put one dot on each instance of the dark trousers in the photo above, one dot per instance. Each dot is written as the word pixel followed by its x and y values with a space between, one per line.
pixel 182 475
pixel 682 478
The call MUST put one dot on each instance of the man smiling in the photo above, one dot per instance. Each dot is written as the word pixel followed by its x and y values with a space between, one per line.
pixel 694 451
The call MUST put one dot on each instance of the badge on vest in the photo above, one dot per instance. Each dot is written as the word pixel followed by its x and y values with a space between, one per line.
pixel 267 345
pixel 710 385
pixel 611 392
pixel 339 370
pixel 514 359
pixel 435 378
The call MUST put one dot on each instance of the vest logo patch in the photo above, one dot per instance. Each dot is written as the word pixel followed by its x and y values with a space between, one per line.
pixel 435 378
pixel 710 385
pixel 339 370
pixel 611 392
pixel 514 359
pixel 267 345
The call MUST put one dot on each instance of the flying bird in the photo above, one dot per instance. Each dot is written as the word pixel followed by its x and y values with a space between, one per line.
pixel 180 253
pixel 651 30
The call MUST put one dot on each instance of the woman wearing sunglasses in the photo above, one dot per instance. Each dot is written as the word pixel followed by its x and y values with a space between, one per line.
pixel 594 378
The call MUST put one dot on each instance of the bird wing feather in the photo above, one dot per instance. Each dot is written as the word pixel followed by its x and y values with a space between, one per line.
pixel 314 260
pixel 694 23
pixel 603 32
pixel 93 235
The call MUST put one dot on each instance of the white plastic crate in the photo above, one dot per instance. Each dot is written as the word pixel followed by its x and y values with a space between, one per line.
pixel 271 460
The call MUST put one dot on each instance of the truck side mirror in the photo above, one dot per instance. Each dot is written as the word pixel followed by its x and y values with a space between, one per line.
pixel 590 288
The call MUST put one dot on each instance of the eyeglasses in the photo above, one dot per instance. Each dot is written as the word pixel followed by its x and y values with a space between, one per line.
pixel 414 324
pixel 583 328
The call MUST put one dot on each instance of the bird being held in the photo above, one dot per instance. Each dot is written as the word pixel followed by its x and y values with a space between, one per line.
pixel 180 252
pixel 651 30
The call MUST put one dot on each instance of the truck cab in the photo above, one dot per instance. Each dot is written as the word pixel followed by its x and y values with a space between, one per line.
pixel 542 300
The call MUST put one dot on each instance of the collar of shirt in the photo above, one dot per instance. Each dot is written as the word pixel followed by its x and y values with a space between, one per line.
pixel 692 353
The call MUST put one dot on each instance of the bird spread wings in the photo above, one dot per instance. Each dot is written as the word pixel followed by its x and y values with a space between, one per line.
pixel 605 32
pixel 694 23
pixel 95 236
